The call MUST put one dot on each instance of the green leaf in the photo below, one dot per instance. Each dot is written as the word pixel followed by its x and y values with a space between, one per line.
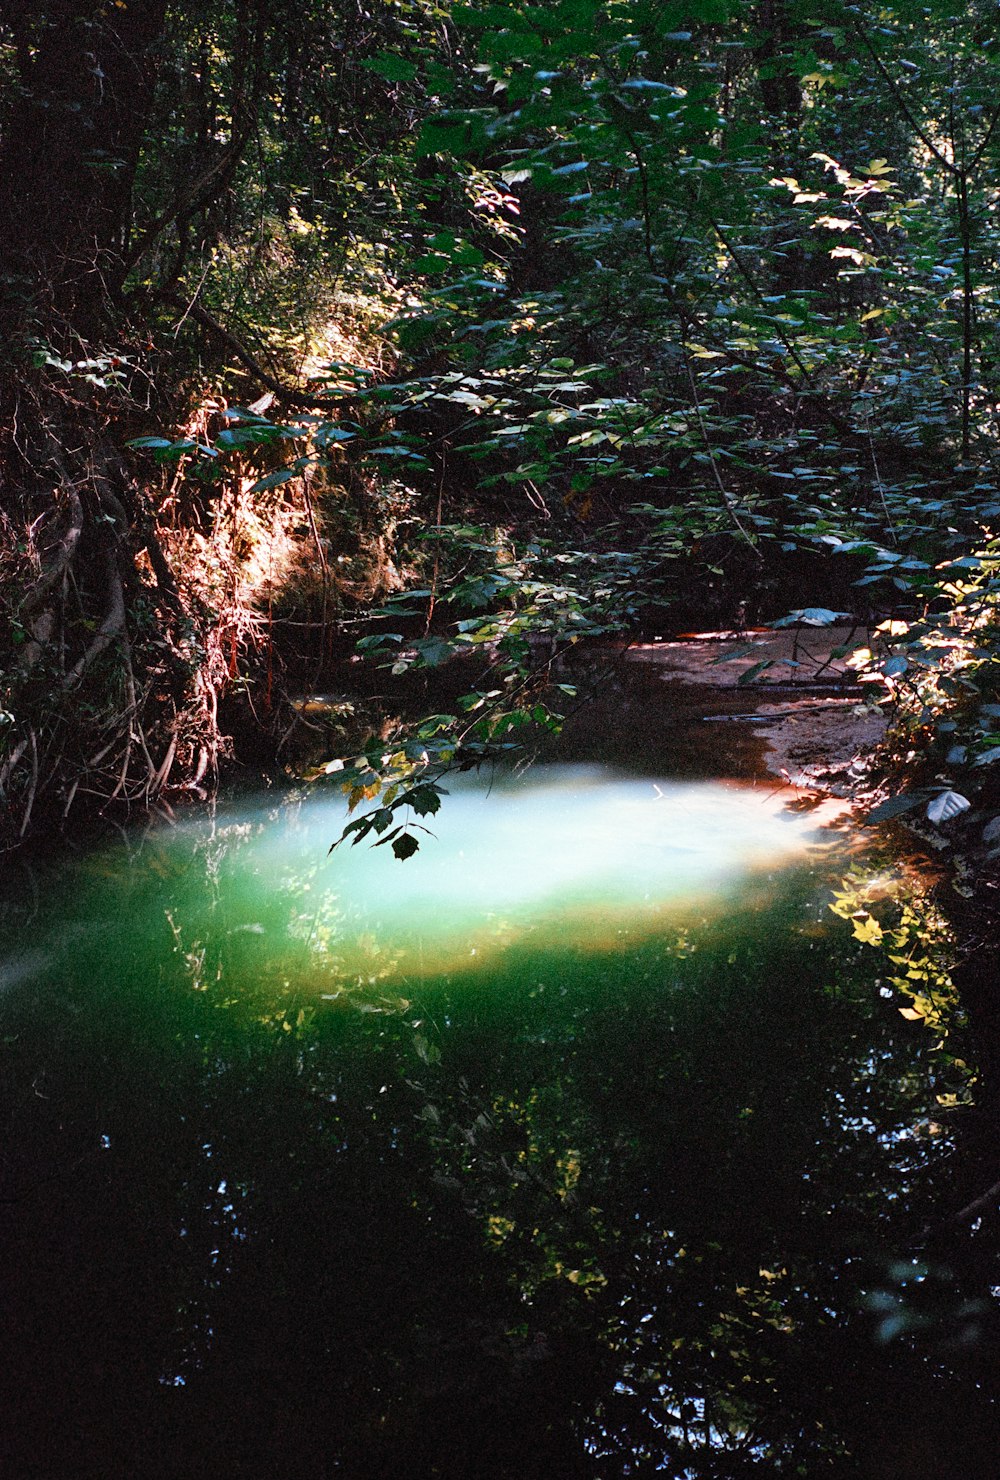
pixel 272 480
pixel 894 807
pixel 754 671
pixel 168 451
pixel 645 84
pixel 433 651
pixel 443 136
pixel 393 68
pixel 377 641
pixel 405 846
pixel 425 800
pixel 946 805
pixel 811 616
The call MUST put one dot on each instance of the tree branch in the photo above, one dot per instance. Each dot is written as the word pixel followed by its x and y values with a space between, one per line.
pixel 205 189
pixel 901 103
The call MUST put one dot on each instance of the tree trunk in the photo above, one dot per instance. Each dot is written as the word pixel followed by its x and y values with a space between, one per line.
pixel 68 159
pixel 780 90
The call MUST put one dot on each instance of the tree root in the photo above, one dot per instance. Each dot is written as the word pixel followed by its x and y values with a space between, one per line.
pixel 74 660
pixel 64 554
pixel 114 621
pixel 119 633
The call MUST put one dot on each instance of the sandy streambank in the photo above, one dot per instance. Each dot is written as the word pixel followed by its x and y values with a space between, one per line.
pixel 801 696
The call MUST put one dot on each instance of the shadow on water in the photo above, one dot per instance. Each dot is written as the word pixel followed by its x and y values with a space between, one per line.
pixel 581 1145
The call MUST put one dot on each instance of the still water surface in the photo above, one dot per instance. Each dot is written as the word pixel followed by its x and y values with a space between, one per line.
pixel 581 1144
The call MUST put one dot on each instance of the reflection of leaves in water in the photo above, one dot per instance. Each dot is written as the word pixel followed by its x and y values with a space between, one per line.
pixel 917 942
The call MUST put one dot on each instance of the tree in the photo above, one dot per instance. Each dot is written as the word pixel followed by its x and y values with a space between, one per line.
pixel 84 74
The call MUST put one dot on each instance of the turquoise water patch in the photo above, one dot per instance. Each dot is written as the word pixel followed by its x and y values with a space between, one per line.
pixel 558 850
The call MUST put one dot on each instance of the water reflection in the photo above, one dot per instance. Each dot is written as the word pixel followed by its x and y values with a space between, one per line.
pixel 296 1185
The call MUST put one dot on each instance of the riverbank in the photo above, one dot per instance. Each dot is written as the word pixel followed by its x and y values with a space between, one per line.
pixel 797 689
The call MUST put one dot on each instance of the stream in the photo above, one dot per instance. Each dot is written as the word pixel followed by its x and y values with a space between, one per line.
pixel 587 1142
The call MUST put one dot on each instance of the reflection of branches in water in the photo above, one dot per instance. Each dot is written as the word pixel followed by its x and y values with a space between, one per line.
pixel 319 925
pixel 214 845
pixel 338 955
pixel 193 955
pixel 716 1341
pixel 582 1214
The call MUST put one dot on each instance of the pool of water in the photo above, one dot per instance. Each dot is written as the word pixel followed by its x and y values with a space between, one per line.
pixel 583 1143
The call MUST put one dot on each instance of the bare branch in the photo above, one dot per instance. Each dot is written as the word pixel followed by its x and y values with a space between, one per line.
pixel 901 103
pixel 64 554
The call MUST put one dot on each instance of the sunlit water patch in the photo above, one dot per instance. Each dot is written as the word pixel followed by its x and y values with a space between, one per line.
pixel 560 852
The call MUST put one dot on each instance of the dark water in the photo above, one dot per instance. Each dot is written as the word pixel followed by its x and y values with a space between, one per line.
pixel 582 1144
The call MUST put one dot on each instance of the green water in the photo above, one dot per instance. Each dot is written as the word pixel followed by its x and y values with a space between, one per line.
pixel 582 1144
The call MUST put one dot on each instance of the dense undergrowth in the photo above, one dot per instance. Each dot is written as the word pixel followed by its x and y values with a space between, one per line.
pixel 481 334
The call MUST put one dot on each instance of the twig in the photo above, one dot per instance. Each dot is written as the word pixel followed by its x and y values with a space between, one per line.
pixel 727 497
pixel 325 570
pixel 988 1202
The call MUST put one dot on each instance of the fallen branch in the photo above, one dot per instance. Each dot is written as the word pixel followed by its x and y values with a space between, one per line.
pixel 250 362
pixel 757 718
